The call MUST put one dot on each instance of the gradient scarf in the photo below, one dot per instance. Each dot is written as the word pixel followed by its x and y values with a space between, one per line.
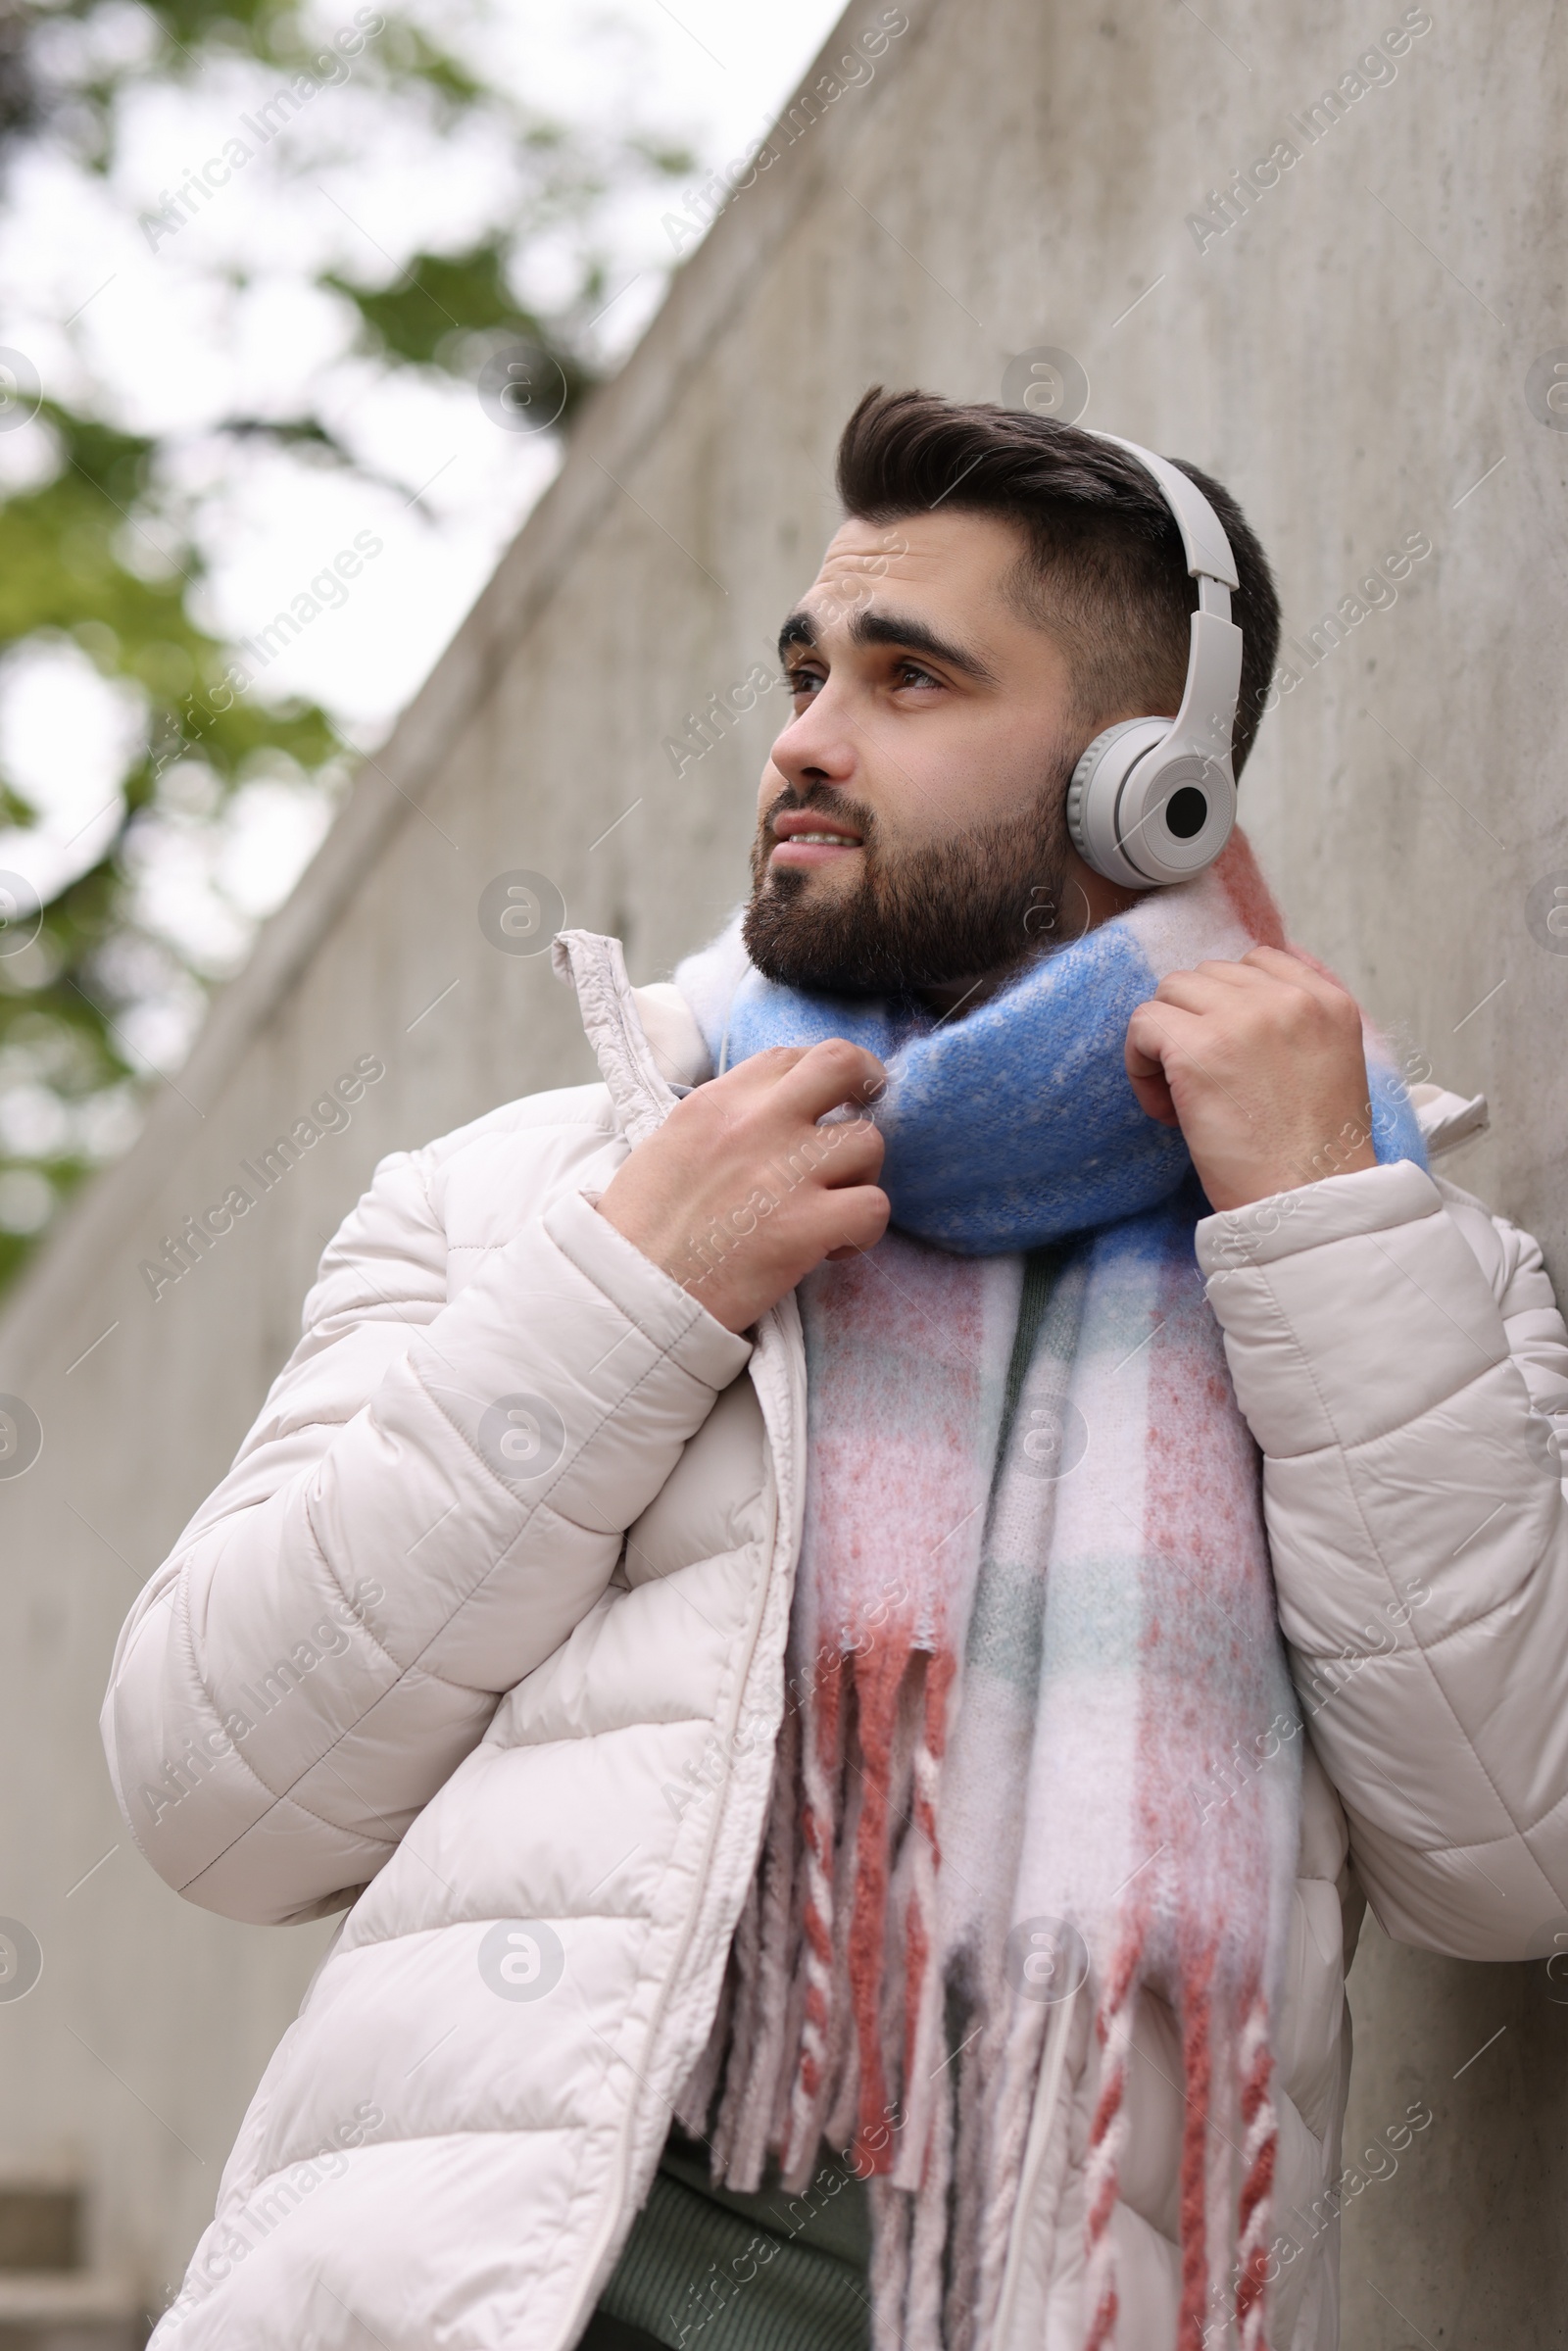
pixel 1033 1631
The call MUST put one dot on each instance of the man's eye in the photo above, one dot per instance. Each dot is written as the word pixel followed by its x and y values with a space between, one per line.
pixel 910 674
pixel 802 681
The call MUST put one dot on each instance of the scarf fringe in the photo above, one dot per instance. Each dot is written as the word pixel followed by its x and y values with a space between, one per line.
pixel 1005 2087
pixel 821 1785
pixel 880 1677
pixel 941 2147
pixel 1259 2156
pixel 974 2072
pixel 926 2111
pixel 929 2253
pixel 1198 2072
pixel 1114 2027
pixel 742 2134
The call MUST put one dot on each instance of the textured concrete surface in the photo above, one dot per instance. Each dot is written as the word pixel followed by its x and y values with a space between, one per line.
pixel 1350 349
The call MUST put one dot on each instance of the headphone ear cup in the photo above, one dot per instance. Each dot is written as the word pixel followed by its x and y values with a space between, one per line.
pixel 1095 792
pixel 1145 817
pixel 1175 814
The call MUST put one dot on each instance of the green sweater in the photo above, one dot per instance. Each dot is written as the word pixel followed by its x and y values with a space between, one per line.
pixel 708 2271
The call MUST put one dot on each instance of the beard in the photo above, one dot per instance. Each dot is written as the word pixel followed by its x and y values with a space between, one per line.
pixel 983 903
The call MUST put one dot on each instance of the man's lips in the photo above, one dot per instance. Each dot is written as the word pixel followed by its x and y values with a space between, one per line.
pixel 804 837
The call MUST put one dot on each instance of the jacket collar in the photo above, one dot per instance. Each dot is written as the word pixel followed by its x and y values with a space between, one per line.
pixel 642 1094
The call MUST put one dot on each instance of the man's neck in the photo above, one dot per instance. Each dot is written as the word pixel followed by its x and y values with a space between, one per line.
pixel 950 998
pixel 1088 901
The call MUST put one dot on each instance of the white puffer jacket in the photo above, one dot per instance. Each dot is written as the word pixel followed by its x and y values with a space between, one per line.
pixel 525 1726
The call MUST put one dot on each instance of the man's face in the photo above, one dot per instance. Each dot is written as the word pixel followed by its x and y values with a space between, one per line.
pixel 912 829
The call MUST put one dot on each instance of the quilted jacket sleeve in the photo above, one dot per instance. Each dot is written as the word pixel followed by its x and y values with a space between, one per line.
pixel 433 1495
pixel 1400 1358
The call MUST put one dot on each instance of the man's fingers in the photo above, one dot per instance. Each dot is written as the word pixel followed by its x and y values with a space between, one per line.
pixel 1213 987
pixel 852 1152
pixel 1199 990
pixel 752 1179
pixel 1158 1030
pixel 1280 965
pixel 829 1075
pixel 1148 1038
pixel 1228 972
pixel 1141 1062
pixel 860 1220
pixel 758 1073
pixel 1260 978
pixel 1261 964
pixel 1155 1099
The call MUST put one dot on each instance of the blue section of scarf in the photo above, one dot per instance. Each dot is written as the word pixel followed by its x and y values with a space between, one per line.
pixel 1011 1125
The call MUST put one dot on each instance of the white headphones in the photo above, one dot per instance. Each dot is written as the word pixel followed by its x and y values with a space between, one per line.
pixel 1152 801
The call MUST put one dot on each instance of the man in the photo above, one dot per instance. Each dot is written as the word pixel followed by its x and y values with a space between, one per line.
pixel 754 1583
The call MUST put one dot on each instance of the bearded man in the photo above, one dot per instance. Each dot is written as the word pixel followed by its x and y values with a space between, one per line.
pixel 855 1612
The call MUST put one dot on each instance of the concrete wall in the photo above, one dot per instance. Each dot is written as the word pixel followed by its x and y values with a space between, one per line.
pixel 1351 354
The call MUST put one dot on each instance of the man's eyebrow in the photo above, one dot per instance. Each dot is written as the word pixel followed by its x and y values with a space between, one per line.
pixel 890 628
pixel 797 630
pixel 901 629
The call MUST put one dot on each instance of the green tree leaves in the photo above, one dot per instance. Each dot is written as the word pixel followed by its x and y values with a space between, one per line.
pixel 103 553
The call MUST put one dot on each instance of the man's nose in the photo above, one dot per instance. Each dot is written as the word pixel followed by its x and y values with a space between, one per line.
pixel 817 747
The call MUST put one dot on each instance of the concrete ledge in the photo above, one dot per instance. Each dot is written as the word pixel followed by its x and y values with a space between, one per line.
pixel 52 2310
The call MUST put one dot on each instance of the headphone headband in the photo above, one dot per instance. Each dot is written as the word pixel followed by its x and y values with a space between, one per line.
pixel 1208 551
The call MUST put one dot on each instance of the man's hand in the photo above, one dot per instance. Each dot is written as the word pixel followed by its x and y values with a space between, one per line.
pixel 740 1193
pixel 1261 1066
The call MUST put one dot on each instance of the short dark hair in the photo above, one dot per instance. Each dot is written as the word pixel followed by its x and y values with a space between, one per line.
pixel 1104 573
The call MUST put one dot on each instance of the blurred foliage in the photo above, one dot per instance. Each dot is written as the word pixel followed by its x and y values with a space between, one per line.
pixel 101 554
pixel 64 572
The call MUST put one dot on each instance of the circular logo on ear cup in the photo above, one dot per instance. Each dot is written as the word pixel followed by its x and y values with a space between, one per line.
pixel 1186 813
pixel 1174 814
